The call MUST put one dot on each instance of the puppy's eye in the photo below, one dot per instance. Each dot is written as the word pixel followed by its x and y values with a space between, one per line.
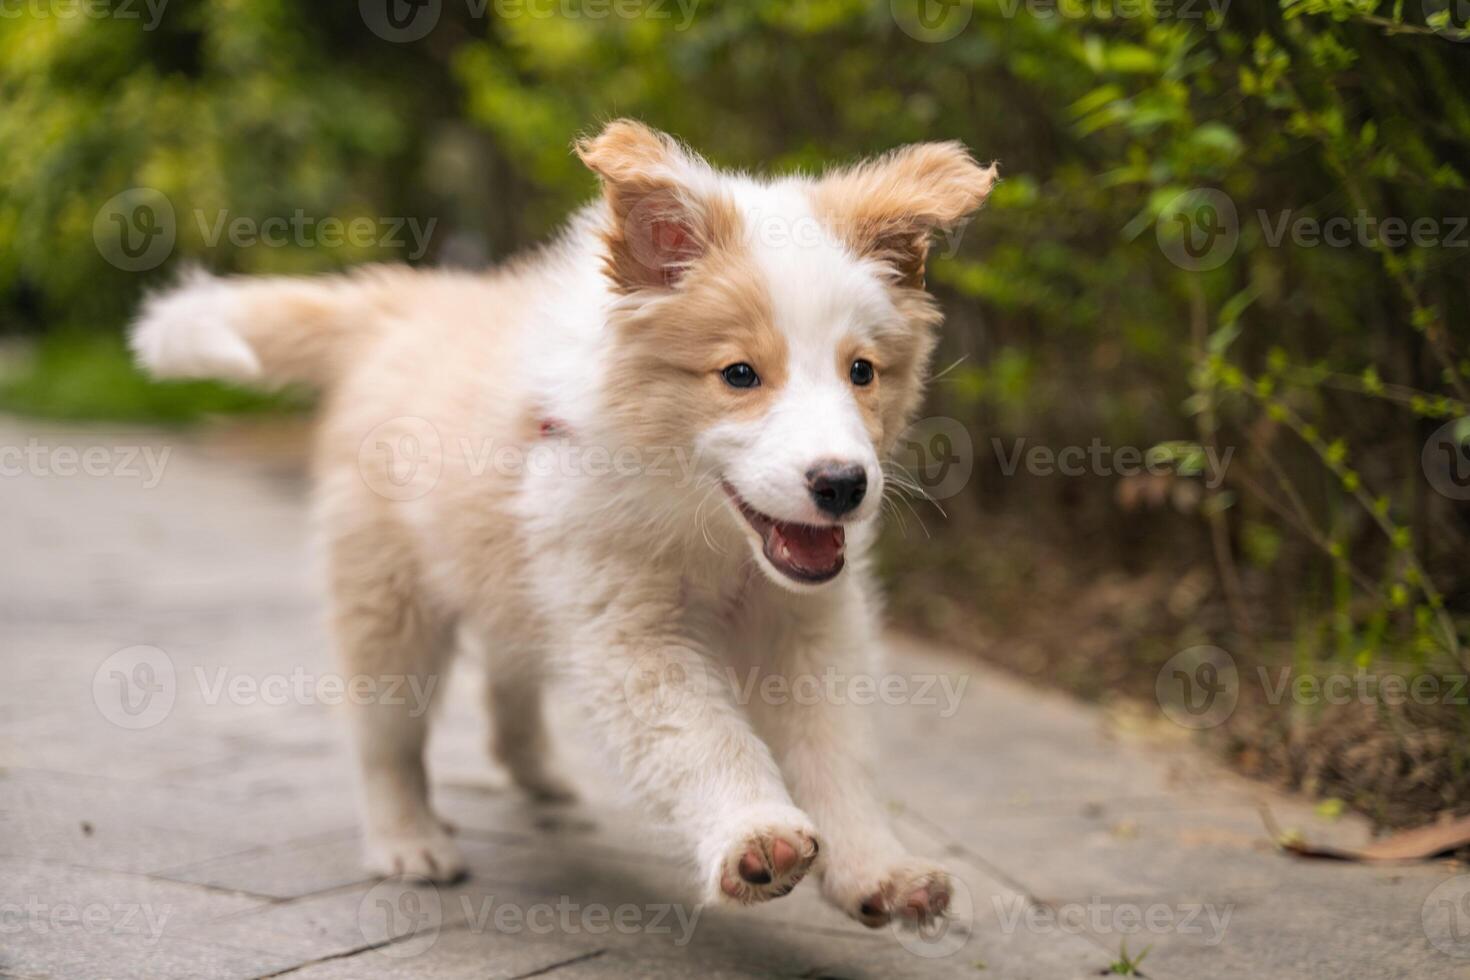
pixel 740 375
pixel 862 373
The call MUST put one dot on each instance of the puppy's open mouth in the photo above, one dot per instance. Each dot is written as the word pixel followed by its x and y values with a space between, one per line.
pixel 802 552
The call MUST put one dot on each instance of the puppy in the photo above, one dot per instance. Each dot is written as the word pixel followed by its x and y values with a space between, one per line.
pixel 645 460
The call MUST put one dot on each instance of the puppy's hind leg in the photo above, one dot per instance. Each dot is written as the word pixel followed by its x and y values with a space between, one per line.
pixel 396 649
pixel 518 737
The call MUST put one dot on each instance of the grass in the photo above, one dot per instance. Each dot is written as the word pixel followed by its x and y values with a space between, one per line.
pixel 91 377
pixel 1125 965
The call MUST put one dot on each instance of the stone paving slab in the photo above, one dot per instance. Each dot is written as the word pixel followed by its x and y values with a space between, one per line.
pixel 231 820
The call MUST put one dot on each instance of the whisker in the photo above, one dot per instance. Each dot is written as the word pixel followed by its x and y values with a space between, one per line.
pixel 958 361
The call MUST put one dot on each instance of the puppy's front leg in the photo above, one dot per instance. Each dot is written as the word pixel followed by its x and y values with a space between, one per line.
pixel 668 712
pixel 825 747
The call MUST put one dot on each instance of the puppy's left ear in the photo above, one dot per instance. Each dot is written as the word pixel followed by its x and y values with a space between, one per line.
pixel 887 208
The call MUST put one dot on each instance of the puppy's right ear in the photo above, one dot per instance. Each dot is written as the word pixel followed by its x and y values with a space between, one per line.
pixel 664 202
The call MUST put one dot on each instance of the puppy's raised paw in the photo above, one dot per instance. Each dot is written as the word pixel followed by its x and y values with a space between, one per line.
pixel 768 859
pixel 913 893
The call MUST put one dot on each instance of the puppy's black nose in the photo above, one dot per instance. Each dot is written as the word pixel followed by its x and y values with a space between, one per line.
pixel 837 487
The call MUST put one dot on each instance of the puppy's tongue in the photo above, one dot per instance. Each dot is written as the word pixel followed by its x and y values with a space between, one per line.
pixel 815 550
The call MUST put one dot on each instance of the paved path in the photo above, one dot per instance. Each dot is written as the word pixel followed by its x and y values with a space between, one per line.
pixel 202 826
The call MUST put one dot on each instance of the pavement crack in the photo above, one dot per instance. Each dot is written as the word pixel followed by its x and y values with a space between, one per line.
pixel 346 954
pixel 559 964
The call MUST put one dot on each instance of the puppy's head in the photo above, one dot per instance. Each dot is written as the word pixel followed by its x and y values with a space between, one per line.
pixel 778 329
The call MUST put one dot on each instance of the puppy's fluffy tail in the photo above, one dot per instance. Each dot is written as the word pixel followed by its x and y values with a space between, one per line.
pixel 266 331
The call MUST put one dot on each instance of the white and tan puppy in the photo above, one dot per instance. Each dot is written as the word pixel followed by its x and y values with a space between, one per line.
pixel 771 337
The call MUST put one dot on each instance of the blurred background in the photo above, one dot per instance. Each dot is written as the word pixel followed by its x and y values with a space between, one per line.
pixel 1203 386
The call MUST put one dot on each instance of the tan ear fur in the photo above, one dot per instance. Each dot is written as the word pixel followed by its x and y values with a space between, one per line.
pixel 663 221
pixel 888 207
